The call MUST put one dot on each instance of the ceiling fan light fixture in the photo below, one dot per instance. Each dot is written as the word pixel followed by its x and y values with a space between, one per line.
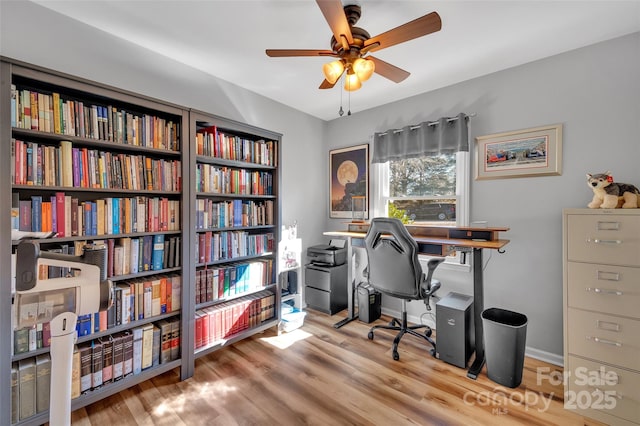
pixel 352 82
pixel 364 68
pixel 333 70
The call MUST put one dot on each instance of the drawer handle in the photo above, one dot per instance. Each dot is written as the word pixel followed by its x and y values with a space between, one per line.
pixel 608 276
pixel 605 291
pixel 599 241
pixel 608 226
pixel 605 341
pixel 607 325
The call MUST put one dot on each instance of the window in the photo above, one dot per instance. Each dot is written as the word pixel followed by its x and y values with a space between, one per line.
pixel 425 190
pixel 431 190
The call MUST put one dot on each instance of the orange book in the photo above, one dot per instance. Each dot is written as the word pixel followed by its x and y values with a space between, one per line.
pixel 163 295
pixel 46 216
pixel 127 215
pixel 149 171
pixel 34 110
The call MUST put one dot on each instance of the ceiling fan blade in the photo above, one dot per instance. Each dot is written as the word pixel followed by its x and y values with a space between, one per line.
pixel 389 71
pixel 417 28
pixel 276 53
pixel 333 12
pixel 326 85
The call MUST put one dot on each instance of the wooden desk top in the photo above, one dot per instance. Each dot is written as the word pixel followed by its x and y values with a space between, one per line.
pixel 439 240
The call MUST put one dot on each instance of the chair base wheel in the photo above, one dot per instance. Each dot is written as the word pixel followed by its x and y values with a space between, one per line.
pixel 370 335
pixel 428 332
pixel 396 356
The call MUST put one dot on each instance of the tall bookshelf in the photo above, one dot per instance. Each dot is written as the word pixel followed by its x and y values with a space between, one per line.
pixel 236 218
pixel 121 159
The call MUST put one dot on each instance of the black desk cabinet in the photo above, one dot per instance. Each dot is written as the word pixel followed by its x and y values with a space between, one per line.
pixel 326 288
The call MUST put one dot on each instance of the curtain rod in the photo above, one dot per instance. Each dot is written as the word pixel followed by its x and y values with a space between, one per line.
pixel 429 123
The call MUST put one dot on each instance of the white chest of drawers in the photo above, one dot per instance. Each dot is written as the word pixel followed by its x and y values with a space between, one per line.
pixel 601 290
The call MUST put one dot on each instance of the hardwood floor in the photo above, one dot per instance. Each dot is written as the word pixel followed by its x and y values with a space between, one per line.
pixel 319 375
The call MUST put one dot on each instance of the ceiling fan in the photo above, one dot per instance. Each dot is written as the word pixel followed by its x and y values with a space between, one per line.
pixel 352 45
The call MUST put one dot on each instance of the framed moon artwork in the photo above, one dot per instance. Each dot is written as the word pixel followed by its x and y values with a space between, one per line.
pixel 349 174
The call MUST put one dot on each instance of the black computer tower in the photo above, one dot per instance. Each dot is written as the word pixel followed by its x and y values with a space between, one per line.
pixel 369 301
pixel 454 329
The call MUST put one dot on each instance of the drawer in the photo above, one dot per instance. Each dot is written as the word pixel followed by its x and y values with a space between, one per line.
pixel 604 288
pixel 324 301
pixel 615 340
pixel 589 383
pixel 326 278
pixel 318 278
pixel 611 239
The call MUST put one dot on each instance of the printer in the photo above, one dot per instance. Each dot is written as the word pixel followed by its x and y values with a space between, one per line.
pixel 327 255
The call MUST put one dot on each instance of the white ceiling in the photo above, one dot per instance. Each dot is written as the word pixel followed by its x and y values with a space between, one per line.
pixel 228 38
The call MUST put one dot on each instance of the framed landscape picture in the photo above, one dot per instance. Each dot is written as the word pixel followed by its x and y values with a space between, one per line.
pixel 521 153
pixel 349 177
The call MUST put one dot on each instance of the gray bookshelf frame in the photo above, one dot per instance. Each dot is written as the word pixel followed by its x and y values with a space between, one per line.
pixel 188 118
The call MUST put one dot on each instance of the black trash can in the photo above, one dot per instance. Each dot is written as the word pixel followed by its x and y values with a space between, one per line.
pixel 505 334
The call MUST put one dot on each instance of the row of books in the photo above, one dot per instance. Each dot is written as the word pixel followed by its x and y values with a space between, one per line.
pixel 56 113
pixel 213 246
pixel 233 213
pixel 67 216
pixel 95 364
pixel 133 300
pixel 227 180
pixel 68 166
pixel 131 255
pixel 222 321
pixel 218 283
pixel 212 142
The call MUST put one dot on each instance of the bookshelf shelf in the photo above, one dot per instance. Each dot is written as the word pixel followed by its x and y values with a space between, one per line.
pixel 93 190
pixel 55 138
pixel 232 196
pixel 233 163
pixel 223 299
pixel 202 351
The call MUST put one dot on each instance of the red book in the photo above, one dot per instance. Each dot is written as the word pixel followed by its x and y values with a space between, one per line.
pixel 85 168
pixel 198 329
pixel 201 248
pixel 205 329
pixel 46 334
pixel 207 246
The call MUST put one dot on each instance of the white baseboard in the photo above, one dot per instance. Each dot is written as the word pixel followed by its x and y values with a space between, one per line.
pixel 545 356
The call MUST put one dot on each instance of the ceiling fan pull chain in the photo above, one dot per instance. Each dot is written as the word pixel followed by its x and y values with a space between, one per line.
pixel 349 112
pixel 341 111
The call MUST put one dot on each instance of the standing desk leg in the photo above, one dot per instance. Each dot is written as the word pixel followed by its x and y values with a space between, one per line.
pixel 478 307
pixel 350 288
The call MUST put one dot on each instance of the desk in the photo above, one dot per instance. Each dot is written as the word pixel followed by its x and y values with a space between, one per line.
pixel 437 241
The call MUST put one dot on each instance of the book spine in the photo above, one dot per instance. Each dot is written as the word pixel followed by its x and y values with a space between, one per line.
pixel 27 387
pixel 157 261
pixel 96 356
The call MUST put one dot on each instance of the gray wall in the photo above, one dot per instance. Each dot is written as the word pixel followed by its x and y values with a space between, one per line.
pixel 595 93
pixel 62 44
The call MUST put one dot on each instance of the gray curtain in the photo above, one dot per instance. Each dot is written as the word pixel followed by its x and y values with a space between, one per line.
pixel 444 136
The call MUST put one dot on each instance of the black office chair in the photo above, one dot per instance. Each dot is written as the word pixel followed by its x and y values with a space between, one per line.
pixel 394 269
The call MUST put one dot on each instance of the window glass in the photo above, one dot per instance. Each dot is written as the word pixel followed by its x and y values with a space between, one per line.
pixel 423 190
